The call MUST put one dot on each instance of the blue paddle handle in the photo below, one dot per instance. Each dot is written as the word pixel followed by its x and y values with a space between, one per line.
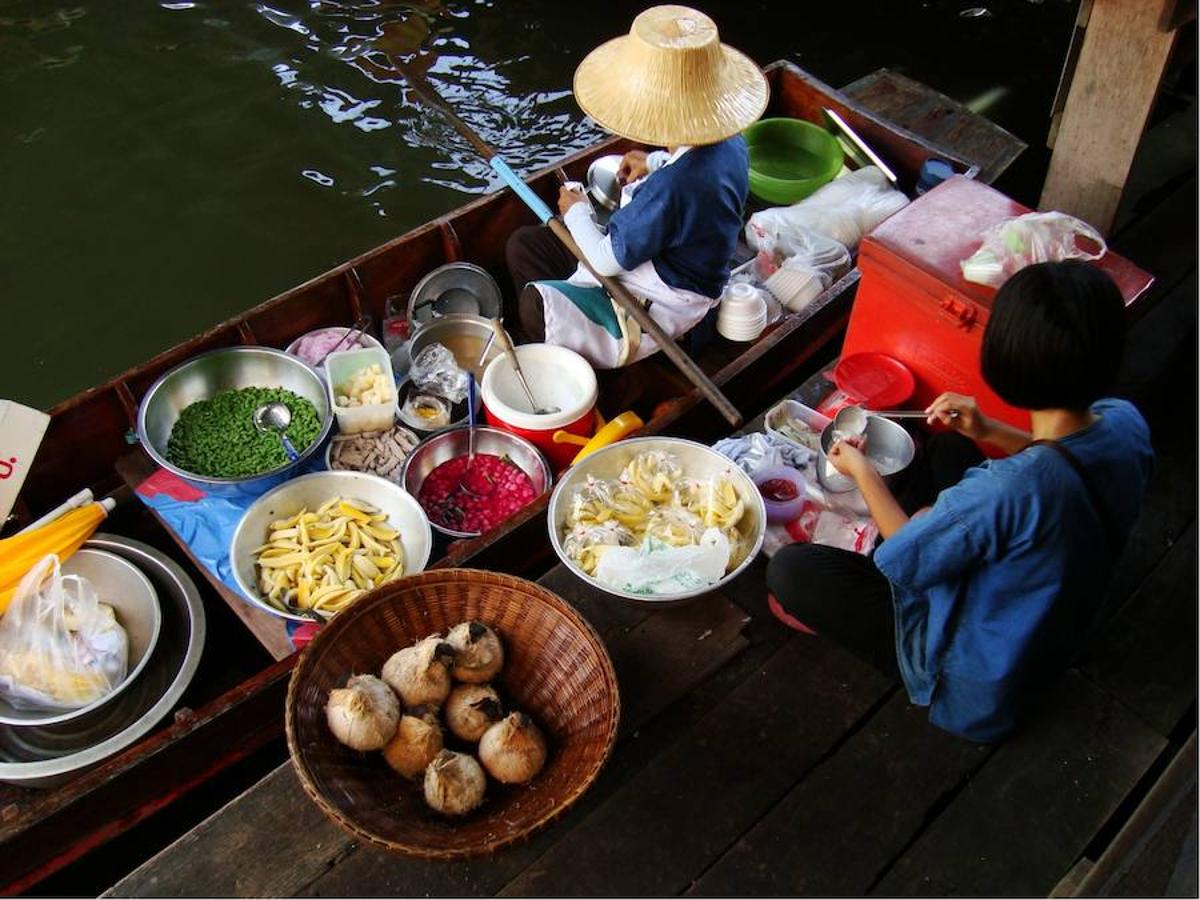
pixel 522 190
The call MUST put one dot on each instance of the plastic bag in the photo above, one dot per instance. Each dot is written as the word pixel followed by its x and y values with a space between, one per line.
pixel 436 370
pixel 1015 243
pixel 843 210
pixel 658 568
pixel 60 647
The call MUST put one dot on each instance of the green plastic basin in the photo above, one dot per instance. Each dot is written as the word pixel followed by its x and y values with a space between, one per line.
pixel 790 158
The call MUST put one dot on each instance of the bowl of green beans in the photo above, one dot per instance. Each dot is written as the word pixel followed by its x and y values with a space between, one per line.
pixel 197 420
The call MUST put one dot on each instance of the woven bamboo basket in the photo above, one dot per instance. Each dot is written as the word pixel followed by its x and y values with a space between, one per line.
pixel 556 669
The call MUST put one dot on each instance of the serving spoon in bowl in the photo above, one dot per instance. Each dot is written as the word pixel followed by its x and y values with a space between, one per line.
pixel 276 417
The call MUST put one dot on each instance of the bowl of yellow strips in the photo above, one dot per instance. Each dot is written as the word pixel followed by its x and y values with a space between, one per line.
pixel 656 520
pixel 314 545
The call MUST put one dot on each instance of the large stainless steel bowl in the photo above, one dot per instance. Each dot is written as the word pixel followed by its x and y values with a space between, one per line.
pixel 447 445
pixel 203 376
pixel 45 757
pixel 309 492
pixel 698 461
pixel 124 587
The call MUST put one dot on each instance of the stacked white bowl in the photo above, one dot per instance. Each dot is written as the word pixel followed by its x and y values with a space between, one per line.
pixel 743 313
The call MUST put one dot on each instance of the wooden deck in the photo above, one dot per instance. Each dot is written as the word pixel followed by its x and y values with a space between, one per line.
pixel 756 761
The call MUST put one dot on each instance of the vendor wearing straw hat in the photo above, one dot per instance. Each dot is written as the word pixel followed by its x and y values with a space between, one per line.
pixel 669 83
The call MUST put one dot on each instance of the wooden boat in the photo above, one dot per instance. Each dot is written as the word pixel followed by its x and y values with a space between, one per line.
pixel 88 445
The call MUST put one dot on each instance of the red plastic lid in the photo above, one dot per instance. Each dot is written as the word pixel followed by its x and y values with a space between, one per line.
pixel 876 380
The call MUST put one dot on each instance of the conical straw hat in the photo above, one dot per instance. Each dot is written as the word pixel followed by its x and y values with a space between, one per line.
pixel 671 81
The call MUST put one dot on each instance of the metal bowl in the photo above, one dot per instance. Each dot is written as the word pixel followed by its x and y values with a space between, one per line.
pixel 464 336
pixel 603 183
pixel 447 445
pixel 310 491
pixel 46 757
pixel 889 448
pixel 698 461
pixel 121 585
pixel 457 288
pixel 203 376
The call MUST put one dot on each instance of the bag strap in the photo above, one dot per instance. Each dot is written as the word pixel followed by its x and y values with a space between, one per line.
pixel 1095 497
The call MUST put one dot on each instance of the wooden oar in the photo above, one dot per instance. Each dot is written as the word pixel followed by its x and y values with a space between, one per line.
pixel 616 290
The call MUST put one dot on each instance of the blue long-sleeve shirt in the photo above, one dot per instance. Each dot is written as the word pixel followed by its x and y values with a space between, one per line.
pixel 996 584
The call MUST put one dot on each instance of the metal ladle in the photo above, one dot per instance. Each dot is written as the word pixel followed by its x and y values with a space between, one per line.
pixel 506 345
pixel 276 417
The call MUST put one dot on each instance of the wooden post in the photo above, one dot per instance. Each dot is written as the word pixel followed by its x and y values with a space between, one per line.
pixel 1125 50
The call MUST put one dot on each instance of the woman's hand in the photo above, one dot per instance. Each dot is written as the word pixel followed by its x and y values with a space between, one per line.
pixel 568 197
pixel 633 166
pixel 960 413
pixel 848 458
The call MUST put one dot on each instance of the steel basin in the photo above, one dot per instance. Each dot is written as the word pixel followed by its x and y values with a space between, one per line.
pixel 203 376
pixel 463 335
pixel 889 448
pixel 698 461
pixel 46 757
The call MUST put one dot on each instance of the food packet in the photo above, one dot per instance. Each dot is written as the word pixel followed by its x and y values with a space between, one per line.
pixel 1012 244
pixel 657 568
pixel 60 647
pixel 436 370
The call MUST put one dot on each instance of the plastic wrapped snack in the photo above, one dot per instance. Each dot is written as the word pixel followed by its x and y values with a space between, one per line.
pixel 60 647
pixel 436 370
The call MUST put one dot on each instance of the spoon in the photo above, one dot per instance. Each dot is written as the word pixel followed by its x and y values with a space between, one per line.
pixel 506 345
pixel 850 421
pixel 276 417
pixel 848 425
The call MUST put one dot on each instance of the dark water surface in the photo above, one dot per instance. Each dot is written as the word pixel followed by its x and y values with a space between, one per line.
pixel 164 167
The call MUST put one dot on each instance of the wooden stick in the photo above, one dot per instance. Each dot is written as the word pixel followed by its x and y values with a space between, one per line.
pixel 631 305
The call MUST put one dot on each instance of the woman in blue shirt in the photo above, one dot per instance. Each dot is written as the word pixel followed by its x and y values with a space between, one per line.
pixel 981 599
pixel 670 83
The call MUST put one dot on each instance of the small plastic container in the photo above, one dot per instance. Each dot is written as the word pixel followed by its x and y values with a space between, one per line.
pixel 783 493
pixel 342 367
pixel 810 422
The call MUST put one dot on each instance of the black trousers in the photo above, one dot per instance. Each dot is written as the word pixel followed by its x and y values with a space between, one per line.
pixel 534 254
pixel 840 594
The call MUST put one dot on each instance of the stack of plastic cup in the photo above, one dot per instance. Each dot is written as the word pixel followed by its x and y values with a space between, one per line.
pixel 743 313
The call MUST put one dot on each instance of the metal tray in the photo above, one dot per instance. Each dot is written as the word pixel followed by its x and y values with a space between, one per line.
pixel 46 757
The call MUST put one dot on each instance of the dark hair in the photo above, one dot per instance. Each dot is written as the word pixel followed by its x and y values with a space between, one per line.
pixel 1055 336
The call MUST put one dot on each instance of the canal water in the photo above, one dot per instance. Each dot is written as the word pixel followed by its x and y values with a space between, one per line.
pixel 165 166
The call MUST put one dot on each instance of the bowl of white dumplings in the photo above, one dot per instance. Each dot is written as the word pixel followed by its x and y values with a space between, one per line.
pixel 656 520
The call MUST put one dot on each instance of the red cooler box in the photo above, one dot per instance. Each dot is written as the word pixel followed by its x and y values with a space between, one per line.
pixel 914 304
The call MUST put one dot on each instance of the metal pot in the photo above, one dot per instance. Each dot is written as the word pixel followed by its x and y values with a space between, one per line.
pixel 203 376
pixel 889 448
pixel 463 335
pixel 457 288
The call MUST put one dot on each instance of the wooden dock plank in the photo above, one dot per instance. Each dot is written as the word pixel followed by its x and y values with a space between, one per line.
pixel 1147 656
pixel 840 827
pixel 656 661
pixel 685 808
pixel 1023 821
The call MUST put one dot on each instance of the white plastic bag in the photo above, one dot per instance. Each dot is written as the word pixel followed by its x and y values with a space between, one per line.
pixel 843 210
pixel 60 647
pixel 657 568
pixel 1015 243
pixel 436 370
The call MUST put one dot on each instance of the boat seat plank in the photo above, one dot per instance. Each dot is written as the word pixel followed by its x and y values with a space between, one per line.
pixel 939 119
pixel 1147 655
pixel 1019 825
pixel 685 808
pixel 657 658
pixel 840 827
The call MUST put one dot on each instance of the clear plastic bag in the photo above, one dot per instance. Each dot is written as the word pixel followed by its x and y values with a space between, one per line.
pixel 436 370
pixel 658 568
pixel 1015 243
pixel 60 647
pixel 843 210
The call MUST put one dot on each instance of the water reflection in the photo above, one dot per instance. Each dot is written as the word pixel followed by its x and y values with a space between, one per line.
pixel 531 128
